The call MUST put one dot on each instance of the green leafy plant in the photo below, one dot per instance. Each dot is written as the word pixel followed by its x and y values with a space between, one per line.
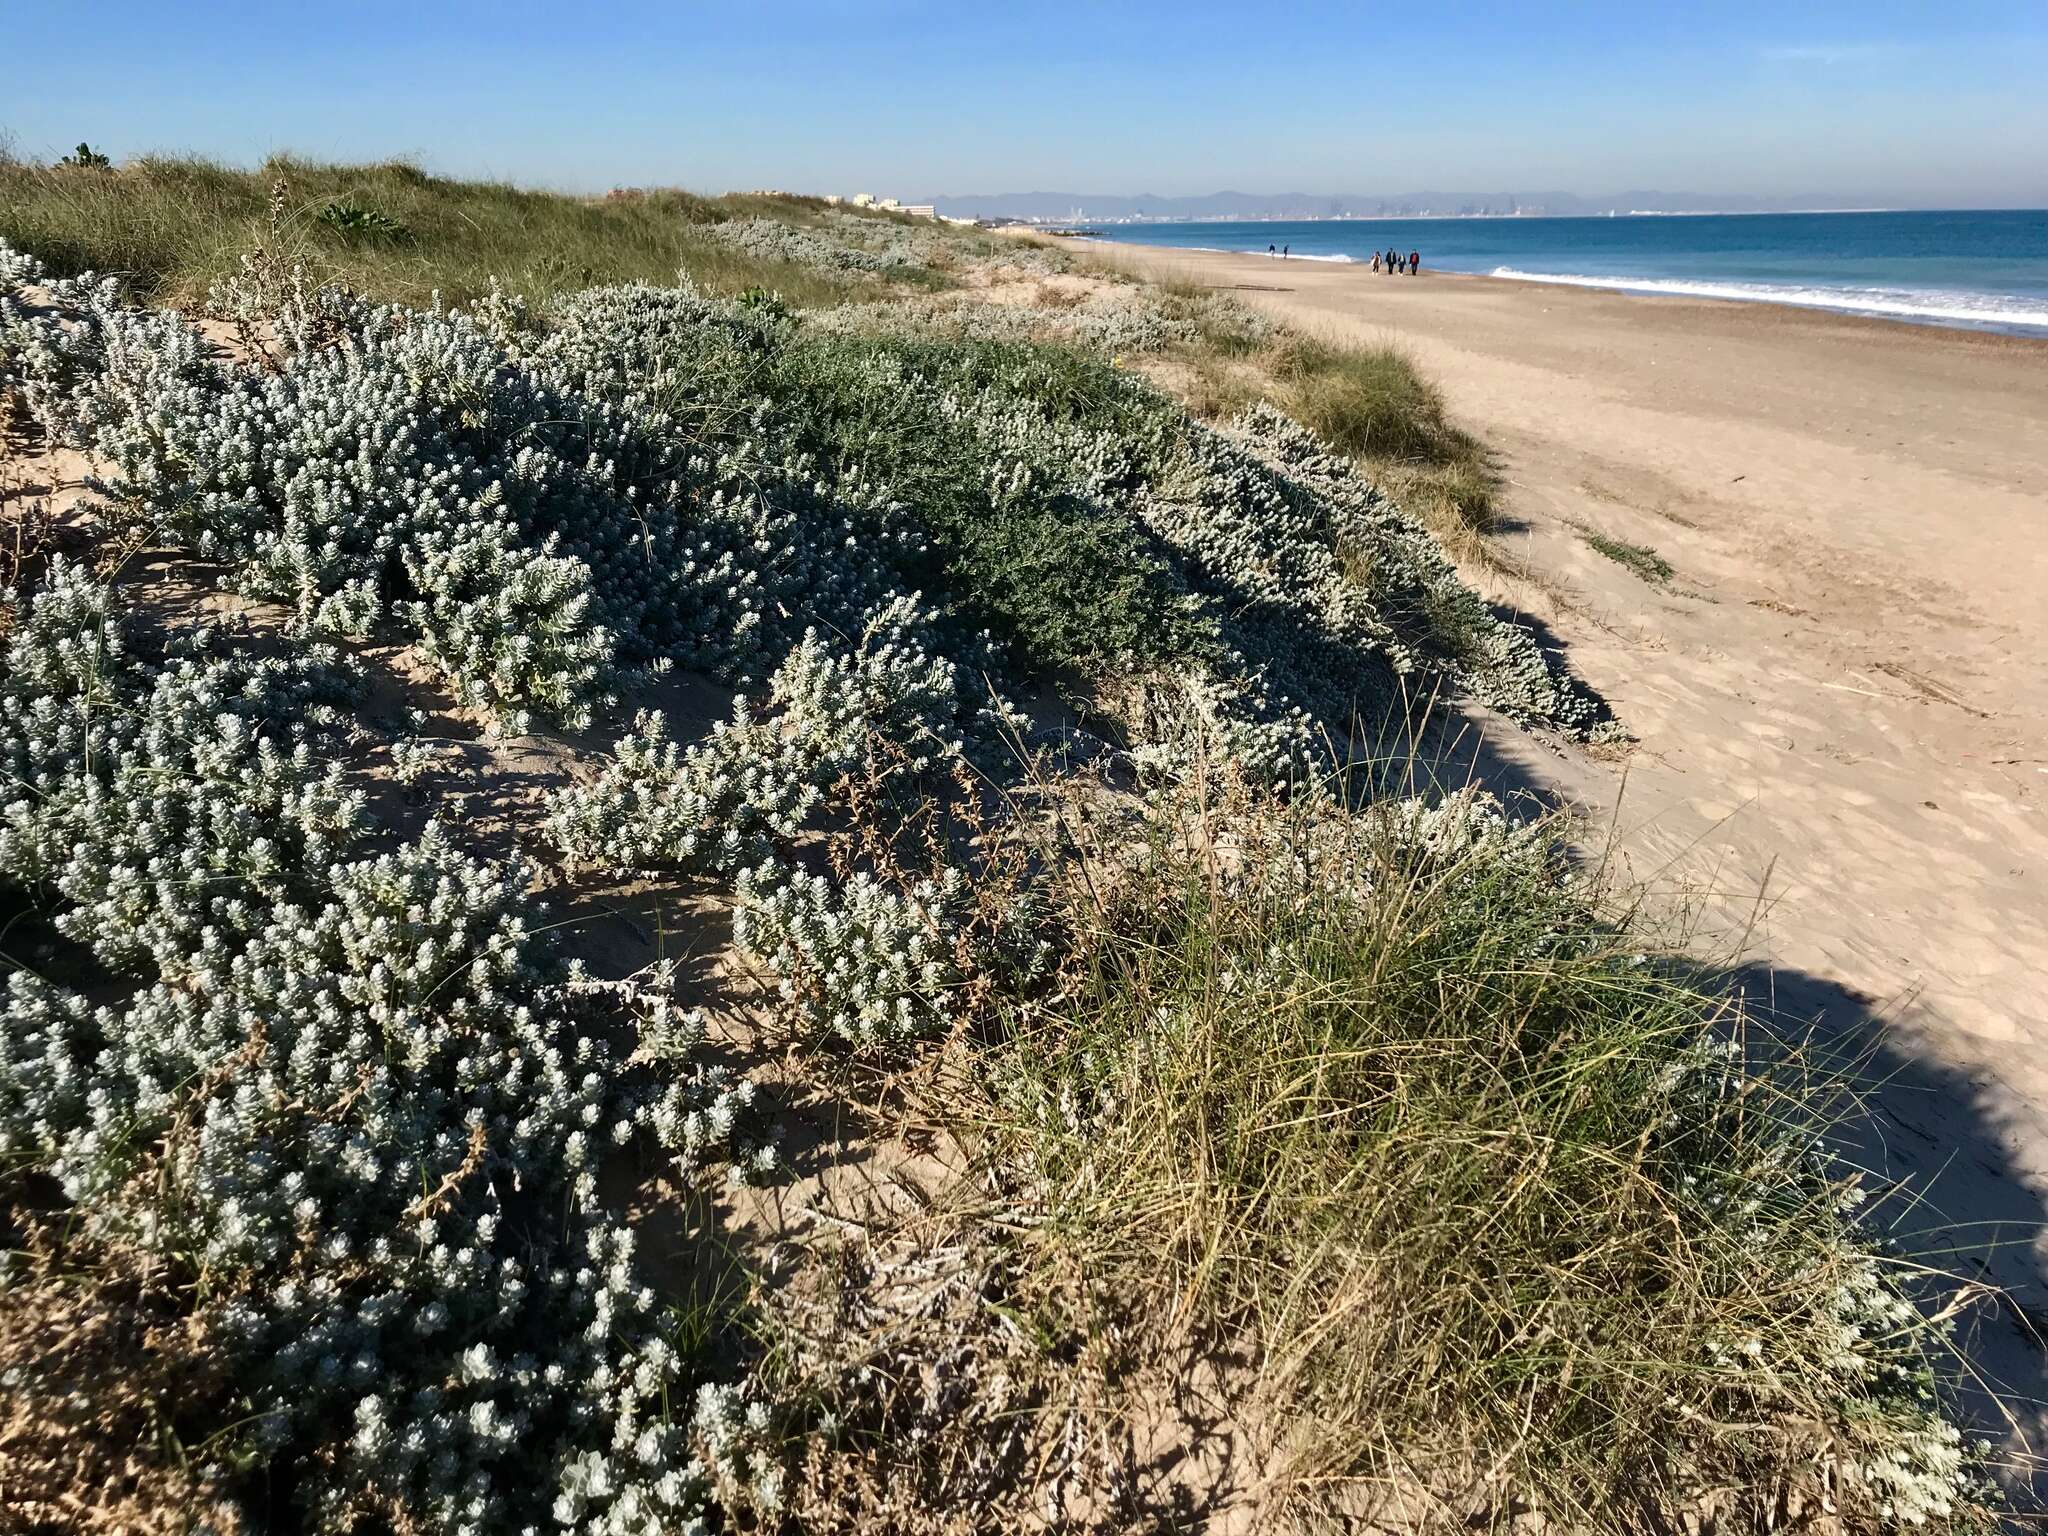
pixel 1644 561
pixel 360 223
pixel 85 157
pixel 763 301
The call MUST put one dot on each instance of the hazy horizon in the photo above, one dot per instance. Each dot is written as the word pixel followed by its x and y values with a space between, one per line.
pixel 1532 201
pixel 1878 105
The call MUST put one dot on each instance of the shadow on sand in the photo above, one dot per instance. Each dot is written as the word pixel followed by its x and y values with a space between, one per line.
pixel 1938 1143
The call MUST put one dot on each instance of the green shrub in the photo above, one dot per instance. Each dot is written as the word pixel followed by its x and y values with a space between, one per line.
pixel 1062 580
pixel 356 222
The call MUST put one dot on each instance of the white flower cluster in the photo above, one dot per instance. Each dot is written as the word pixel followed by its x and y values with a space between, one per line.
pixel 1924 1475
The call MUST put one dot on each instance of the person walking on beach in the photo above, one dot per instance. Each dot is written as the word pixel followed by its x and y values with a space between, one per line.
pixel 1283 253
pixel 1414 262
pixel 1375 261
pixel 1390 261
pixel 1269 247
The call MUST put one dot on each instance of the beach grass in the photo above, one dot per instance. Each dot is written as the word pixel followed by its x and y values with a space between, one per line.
pixel 1639 559
pixel 1475 1200
pixel 173 226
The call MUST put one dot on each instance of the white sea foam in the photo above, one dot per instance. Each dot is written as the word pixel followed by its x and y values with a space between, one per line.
pixel 1992 309
pixel 1293 256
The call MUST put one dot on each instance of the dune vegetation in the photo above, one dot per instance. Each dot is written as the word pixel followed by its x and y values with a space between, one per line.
pixel 737 878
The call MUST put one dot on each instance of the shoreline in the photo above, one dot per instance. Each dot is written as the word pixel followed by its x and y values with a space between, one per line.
pixel 1634 288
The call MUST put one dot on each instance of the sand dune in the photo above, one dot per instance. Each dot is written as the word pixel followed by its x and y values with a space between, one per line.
pixel 1840 696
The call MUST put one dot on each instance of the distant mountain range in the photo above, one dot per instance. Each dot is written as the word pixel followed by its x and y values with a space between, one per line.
pixel 1311 205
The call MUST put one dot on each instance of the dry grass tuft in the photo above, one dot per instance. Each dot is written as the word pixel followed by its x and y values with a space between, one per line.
pixel 1496 1221
pixel 100 1368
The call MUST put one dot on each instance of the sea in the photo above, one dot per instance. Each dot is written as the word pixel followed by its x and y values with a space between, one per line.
pixel 1985 270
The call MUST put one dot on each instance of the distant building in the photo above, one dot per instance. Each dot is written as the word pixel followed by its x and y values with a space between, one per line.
pixel 885 204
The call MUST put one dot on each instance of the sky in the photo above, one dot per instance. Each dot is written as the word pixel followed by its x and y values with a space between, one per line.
pixel 1881 103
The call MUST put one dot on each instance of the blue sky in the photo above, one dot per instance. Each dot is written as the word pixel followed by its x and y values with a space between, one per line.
pixel 1892 103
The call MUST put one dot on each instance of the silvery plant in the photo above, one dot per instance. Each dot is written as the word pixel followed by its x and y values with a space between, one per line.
pixel 1118 323
pixel 858 959
pixel 727 802
pixel 1437 620
pixel 168 805
pixel 533 539
pixel 855 251
pixel 346 1096
pixel 711 807
pixel 357 1122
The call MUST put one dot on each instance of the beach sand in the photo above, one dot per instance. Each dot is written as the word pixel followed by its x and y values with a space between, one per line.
pixel 1841 696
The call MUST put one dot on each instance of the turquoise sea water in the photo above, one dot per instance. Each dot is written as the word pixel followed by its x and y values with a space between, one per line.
pixel 1987 270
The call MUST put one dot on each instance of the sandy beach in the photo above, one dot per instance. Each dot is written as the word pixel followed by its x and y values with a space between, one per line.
pixel 1839 700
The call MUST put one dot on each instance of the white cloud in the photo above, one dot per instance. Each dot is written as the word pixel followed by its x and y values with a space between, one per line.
pixel 1834 53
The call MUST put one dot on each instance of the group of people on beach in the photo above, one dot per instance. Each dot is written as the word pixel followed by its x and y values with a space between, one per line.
pixel 1395 261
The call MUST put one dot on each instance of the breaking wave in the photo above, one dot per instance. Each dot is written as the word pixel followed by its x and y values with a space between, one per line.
pixel 1945 306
